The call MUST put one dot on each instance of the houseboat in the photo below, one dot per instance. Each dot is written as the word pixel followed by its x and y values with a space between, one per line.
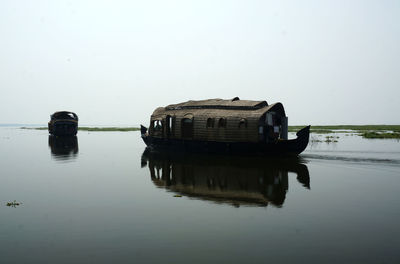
pixel 223 126
pixel 63 123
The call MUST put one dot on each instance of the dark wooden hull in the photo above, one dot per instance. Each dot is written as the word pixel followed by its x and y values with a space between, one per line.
pixel 63 128
pixel 280 147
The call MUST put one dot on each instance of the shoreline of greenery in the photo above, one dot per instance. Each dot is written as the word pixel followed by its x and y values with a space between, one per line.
pixel 395 128
pixel 365 131
pixel 95 129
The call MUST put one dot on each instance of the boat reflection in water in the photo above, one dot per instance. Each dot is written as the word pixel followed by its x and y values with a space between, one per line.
pixel 63 148
pixel 235 180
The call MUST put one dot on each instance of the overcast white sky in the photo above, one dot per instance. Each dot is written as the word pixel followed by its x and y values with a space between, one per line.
pixel 114 62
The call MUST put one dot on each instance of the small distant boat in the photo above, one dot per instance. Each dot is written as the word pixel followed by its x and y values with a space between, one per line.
pixel 63 123
pixel 223 126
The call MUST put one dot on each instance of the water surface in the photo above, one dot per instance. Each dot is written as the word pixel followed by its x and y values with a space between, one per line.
pixel 100 198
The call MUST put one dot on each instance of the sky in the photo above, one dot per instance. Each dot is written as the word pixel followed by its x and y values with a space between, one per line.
pixel 114 62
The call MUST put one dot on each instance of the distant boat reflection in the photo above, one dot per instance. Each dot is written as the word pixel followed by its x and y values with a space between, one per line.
pixel 235 180
pixel 63 148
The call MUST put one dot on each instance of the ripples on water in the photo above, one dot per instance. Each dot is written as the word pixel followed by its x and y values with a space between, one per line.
pixel 355 157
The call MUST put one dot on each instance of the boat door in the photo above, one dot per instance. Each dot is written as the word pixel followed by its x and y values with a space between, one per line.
pixel 168 126
pixel 187 126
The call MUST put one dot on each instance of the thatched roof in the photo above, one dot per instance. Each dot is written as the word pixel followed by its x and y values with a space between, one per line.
pixel 64 115
pixel 233 104
pixel 219 107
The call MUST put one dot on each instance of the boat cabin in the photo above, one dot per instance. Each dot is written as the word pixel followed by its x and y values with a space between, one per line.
pixel 220 120
pixel 63 123
pixel 63 115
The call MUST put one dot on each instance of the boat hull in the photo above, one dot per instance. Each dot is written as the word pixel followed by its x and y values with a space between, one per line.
pixel 279 147
pixel 63 128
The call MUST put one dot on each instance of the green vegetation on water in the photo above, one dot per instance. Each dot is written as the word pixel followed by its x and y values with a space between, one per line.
pixel 351 127
pixel 13 204
pixel 330 139
pixel 380 135
pixel 315 131
pixel 121 129
pixel 35 128
pixel 366 131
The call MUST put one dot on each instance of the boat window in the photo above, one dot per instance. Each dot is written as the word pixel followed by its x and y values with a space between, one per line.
pixel 270 118
pixel 210 122
pixel 157 124
pixel 168 124
pixel 243 123
pixel 173 125
pixel 169 121
pixel 222 122
pixel 187 128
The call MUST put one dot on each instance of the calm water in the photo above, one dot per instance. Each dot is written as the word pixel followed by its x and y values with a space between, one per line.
pixel 99 198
